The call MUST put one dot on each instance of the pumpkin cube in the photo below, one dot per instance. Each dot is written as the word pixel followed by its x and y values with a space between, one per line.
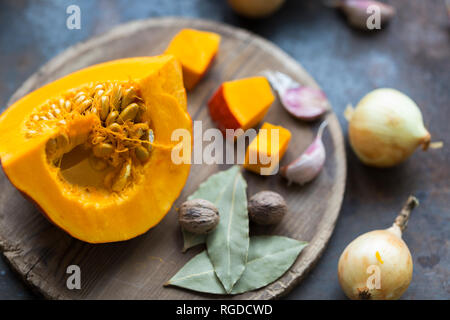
pixel 241 104
pixel 265 151
pixel 195 50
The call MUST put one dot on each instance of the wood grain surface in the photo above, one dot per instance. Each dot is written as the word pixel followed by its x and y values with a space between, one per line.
pixel 137 269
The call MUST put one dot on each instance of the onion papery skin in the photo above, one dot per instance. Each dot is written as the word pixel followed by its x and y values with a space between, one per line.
pixel 395 271
pixel 386 127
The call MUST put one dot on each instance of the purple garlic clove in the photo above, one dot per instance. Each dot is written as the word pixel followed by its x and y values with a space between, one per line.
pixel 306 103
pixel 359 11
pixel 306 167
pixel 303 102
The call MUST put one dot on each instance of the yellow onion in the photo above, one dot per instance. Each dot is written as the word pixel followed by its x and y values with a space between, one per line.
pixel 255 8
pixel 386 127
pixel 378 265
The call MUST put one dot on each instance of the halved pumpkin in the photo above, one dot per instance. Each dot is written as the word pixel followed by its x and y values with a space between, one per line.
pixel 100 176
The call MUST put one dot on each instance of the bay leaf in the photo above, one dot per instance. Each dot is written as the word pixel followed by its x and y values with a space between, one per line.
pixel 191 239
pixel 269 257
pixel 213 189
pixel 227 245
pixel 198 275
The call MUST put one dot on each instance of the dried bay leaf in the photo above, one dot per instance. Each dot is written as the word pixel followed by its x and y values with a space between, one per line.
pixel 269 257
pixel 227 245
pixel 191 239
pixel 198 275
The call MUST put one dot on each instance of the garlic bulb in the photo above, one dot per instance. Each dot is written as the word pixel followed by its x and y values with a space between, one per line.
pixel 309 164
pixel 385 128
pixel 378 265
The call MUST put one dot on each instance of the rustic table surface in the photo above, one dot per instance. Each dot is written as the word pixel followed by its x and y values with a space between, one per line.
pixel 412 55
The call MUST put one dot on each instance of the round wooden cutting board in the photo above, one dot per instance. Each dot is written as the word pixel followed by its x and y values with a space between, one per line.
pixel 138 268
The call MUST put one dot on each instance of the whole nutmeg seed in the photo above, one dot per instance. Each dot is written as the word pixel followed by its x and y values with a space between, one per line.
pixel 266 207
pixel 198 216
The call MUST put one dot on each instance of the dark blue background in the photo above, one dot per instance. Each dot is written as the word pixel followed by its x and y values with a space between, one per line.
pixel 412 55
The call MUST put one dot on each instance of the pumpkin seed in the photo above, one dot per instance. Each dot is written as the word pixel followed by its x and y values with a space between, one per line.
pixel 109 177
pixel 116 95
pixel 59 142
pixel 115 127
pixel 79 95
pixel 94 111
pixel 128 97
pixel 102 150
pixel 112 117
pixel 140 129
pixel 62 140
pixel 104 111
pixel 85 105
pixel 122 178
pixel 80 99
pixel 30 133
pixel 50 147
pixel 129 113
pixel 97 163
pixel 142 153
pixel 68 105
pixel 142 110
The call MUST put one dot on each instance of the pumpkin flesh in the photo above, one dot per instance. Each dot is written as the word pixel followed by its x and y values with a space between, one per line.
pixel 72 195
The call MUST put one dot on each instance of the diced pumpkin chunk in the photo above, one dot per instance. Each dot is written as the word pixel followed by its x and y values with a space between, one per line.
pixel 265 151
pixel 241 103
pixel 195 50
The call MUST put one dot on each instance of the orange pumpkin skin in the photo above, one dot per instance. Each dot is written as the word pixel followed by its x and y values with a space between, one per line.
pixel 99 216
pixel 196 51
pixel 240 104
pixel 220 112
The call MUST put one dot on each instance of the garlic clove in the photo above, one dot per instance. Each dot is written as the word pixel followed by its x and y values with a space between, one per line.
pixel 303 102
pixel 306 167
pixel 306 103
pixel 359 11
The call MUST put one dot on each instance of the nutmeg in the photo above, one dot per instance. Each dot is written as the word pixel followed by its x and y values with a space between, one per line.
pixel 266 207
pixel 198 216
